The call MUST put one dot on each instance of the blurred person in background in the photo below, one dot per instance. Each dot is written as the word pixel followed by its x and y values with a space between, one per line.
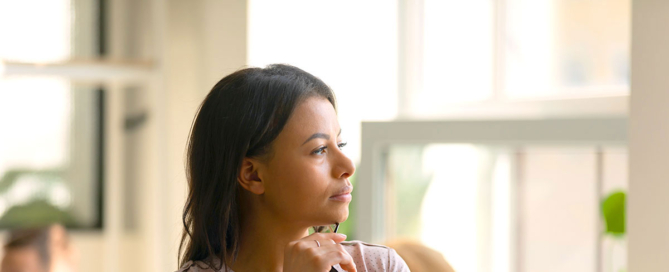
pixel 264 165
pixel 45 249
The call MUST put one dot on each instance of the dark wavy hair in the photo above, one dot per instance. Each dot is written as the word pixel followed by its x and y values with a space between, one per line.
pixel 240 117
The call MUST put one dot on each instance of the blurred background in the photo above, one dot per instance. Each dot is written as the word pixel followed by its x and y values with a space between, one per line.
pixel 492 131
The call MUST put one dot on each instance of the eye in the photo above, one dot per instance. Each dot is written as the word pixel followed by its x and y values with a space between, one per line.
pixel 342 145
pixel 320 150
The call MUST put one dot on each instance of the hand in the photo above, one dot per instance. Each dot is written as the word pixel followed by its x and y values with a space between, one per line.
pixel 306 255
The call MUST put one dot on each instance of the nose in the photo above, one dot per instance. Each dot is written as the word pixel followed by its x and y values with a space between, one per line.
pixel 343 166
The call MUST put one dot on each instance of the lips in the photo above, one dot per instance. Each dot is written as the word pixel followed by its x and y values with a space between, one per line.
pixel 344 194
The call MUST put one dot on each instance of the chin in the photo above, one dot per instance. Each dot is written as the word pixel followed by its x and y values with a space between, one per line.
pixel 342 215
pixel 336 215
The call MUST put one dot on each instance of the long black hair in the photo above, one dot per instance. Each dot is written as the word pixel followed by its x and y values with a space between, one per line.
pixel 240 117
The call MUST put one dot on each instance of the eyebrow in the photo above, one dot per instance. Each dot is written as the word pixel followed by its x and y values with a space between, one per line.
pixel 320 135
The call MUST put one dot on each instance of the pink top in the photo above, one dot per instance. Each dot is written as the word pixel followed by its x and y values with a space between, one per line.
pixel 367 257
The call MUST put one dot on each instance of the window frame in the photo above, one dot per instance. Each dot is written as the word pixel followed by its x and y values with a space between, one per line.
pixel 371 212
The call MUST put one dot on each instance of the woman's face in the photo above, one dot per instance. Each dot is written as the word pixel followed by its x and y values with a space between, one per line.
pixel 306 178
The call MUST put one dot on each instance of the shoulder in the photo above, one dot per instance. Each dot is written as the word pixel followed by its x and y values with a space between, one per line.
pixel 198 266
pixel 373 257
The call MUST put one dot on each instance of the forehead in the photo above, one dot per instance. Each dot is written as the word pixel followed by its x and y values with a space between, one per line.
pixel 315 114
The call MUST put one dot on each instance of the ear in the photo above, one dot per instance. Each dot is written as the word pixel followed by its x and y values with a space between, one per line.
pixel 249 178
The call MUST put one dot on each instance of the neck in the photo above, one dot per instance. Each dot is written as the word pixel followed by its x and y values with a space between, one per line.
pixel 263 239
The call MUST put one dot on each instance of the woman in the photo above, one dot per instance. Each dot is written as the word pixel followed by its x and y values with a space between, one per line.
pixel 264 165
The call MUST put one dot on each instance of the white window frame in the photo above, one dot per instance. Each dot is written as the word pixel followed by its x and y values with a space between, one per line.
pixel 378 136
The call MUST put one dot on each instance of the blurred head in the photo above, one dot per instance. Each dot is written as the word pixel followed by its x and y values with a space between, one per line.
pixel 45 249
pixel 263 140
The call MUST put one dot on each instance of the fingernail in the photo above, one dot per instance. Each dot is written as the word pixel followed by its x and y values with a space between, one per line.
pixel 342 235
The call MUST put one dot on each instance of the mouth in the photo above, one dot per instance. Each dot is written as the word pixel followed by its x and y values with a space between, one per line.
pixel 343 195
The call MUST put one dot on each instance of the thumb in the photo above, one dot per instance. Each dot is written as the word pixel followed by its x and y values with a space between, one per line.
pixel 338 237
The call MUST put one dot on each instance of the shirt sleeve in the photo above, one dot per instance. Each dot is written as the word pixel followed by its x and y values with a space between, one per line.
pixel 186 267
pixel 396 263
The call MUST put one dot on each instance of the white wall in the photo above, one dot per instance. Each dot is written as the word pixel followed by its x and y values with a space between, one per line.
pixel 205 41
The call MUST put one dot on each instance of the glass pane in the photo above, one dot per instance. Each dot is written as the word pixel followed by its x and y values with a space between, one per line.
pixel 340 43
pixel 458 61
pixel 567 48
pixel 436 198
pixel 49 153
pixel 559 212
pixel 614 248
pixel 499 209
pixel 60 30
pixel 31 34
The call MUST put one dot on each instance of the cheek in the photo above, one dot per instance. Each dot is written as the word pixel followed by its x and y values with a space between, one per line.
pixel 298 184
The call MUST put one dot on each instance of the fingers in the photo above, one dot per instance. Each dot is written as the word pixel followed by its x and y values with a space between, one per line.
pixel 337 255
pixel 308 242
pixel 326 242
pixel 336 237
pixel 328 254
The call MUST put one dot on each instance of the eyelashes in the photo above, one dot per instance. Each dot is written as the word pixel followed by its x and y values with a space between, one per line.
pixel 342 145
pixel 321 150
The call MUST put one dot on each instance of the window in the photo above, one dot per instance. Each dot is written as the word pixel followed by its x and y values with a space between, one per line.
pixel 572 48
pixel 51 148
pixel 489 195
pixel 50 29
pixel 521 206
pixel 503 58
pixel 51 153
pixel 457 60
pixel 497 195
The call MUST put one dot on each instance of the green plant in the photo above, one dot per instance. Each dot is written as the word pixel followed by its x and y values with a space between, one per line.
pixel 613 209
